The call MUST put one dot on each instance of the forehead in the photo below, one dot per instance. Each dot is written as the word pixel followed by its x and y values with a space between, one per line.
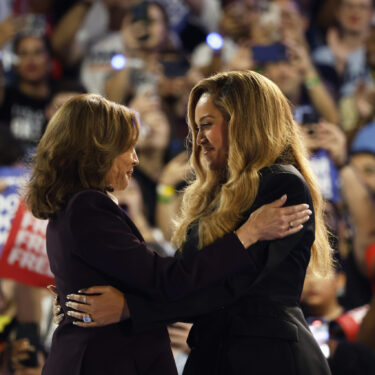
pixel 363 159
pixel 205 106
pixel 62 97
pixel 356 2
pixel 30 41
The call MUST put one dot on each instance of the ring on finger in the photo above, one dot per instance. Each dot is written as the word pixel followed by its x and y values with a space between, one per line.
pixel 87 318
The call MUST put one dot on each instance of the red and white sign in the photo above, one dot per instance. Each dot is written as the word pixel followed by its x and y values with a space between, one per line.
pixel 24 257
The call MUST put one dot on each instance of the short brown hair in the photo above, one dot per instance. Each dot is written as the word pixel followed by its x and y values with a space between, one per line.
pixel 77 150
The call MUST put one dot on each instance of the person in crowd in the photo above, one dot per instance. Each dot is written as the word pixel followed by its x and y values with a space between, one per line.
pixel 82 24
pixel 358 108
pixel 357 179
pixel 152 149
pixel 86 153
pixel 147 40
pixel 23 102
pixel 344 51
pixel 246 150
pixel 294 72
pixel 362 156
pixel 21 344
pixel 131 200
pixel 64 90
pixel 367 328
pixel 320 296
pixel 170 192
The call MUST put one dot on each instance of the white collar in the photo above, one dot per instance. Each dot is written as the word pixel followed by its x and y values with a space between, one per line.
pixel 113 197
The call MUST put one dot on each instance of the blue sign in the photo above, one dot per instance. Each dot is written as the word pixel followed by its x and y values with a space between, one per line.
pixel 327 174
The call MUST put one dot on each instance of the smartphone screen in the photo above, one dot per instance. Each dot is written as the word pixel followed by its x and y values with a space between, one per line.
pixel 271 53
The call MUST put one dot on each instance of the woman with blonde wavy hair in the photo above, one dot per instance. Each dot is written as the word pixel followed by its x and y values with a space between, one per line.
pixel 246 152
pixel 86 153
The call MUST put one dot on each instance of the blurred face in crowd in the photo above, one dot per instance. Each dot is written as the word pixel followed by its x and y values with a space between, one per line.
pixel 57 101
pixel 355 15
pixel 364 163
pixel 33 59
pixel 370 49
pixel 285 76
pixel 122 169
pixel 157 27
pixel 321 293
pixel 212 133
pixel 154 132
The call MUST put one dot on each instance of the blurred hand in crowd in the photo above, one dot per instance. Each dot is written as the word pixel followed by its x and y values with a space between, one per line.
pixel 147 35
pixel 3 185
pixel 299 58
pixel 242 59
pixel 18 351
pixel 364 100
pixel 333 140
pixel 339 49
pixel 146 100
pixel 176 171
pixel 9 27
pixel 327 136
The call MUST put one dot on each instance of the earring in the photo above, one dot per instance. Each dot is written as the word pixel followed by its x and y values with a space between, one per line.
pixel 340 292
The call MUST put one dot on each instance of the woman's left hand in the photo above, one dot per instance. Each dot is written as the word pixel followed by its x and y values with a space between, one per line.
pixel 98 306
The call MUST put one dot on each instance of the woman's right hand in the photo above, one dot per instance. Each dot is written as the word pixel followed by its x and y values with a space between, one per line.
pixel 272 221
pixel 56 308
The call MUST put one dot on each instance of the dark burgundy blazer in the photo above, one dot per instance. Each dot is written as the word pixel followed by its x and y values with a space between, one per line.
pixel 251 323
pixel 93 242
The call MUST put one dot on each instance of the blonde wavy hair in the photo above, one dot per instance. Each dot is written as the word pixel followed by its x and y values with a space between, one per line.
pixel 77 150
pixel 261 132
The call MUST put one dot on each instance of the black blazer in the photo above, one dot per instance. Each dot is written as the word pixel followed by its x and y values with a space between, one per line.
pixel 251 323
pixel 93 242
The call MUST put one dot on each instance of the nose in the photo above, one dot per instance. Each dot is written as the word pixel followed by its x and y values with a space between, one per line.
pixel 134 155
pixel 200 137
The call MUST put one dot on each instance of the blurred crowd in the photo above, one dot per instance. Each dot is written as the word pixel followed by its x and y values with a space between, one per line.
pixel 148 55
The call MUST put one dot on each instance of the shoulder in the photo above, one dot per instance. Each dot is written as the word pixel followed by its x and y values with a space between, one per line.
pixel 89 201
pixel 278 179
pixel 278 172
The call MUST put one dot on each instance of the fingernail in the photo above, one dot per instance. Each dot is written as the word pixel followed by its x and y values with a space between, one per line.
pixel 69 313
pixel 69 296
pixel 67 304
pixel 82 290
pixel 309 212
pixel 75 323
pixel 306 205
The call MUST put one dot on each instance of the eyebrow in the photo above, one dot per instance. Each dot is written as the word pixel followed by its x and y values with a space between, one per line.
pixel 204 117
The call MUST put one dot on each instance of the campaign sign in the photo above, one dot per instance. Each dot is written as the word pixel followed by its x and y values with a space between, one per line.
pixel 14 178
pixel 24 256
pixel 327 175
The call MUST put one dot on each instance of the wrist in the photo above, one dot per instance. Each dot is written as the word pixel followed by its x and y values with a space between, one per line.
pixel 312 81
pixel 246 237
